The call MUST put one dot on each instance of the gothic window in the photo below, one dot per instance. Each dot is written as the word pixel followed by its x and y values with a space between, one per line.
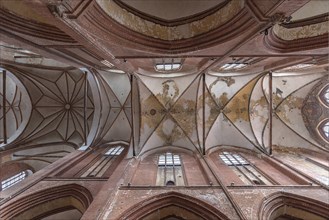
pixel 169 170
pixel 249 174
pixel 323 129
pixel 99 166
pixel 14 179
pixel 324 95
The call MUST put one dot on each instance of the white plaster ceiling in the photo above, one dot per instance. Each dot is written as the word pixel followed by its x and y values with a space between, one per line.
pixel 311 9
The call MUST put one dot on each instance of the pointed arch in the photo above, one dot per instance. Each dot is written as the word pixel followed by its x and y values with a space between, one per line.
pixel 47 202
pixel 270 206
pixel 172 201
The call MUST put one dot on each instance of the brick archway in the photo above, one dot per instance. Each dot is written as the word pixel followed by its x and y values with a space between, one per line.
pixel 162 206
pixel 47 202
pixel 274 202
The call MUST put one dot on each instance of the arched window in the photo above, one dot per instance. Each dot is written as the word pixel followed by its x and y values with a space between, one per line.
pixel 249 174
pixel 14 179
pixel 170 171
pixel 324 95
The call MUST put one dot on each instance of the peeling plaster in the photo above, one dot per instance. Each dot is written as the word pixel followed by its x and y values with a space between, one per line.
pixel 184 31
pixel 259 109
pixel 290 103
pixel 301 32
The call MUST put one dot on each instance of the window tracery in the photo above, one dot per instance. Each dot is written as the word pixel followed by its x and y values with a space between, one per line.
pixel 315 112
pixel 323 126
pixel 323 129
pixel 324 95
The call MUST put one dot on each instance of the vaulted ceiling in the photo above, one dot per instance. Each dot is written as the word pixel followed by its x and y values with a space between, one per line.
pixel 82 73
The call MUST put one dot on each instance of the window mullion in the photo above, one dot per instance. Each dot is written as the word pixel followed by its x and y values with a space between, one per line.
pixel 165 171
pixel 246 176
pixel 246 168
pixel 252 173
pixel 173 167
pixel 264 175
pixel 228 158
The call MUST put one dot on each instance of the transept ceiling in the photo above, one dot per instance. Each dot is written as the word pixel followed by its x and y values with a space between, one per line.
pixel 87 76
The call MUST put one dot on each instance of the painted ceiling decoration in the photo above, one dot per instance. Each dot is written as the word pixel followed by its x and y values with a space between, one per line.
pixel 164 104
pixel 292 107
pixel 83 74
pixel 237 103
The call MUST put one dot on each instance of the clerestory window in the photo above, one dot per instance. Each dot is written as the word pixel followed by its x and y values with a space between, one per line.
pixel 249 174
pixel 99 166
pixel 170 171
pixel 114 151
pixel 14 180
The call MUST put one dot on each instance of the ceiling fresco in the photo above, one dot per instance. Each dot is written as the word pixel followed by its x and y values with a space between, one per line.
pixel 172 121
pixel 237 106
pixel 289 110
